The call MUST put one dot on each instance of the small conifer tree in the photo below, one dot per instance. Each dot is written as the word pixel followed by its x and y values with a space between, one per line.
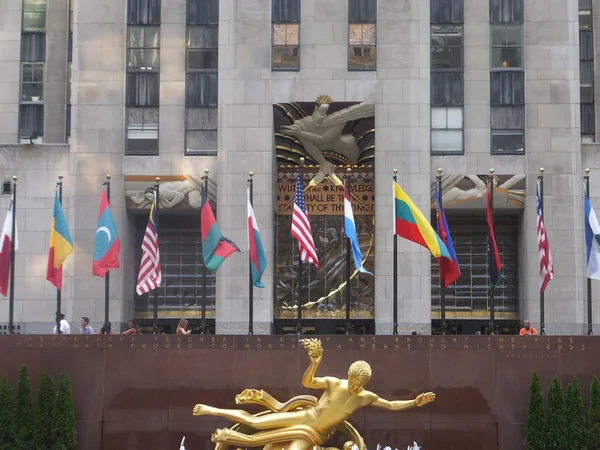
pixel 594 416
pixel 536 416
pixel 575 415
pixel 556 420
pixel 7 411
pixel 63 419
pixel 43 413
pixel 24 413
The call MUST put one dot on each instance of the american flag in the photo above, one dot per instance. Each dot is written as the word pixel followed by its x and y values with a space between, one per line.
pixel 301 226
pixel 546 267
pixel 149 277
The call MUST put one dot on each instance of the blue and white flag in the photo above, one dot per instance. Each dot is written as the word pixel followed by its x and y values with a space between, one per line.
pixel 350 229
pixel 592 240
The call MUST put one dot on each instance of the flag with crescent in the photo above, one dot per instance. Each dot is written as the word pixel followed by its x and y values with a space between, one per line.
pixel 107 244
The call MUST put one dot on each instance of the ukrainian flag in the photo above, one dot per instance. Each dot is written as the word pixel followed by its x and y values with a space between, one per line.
pixel 61 245
pixel 411 224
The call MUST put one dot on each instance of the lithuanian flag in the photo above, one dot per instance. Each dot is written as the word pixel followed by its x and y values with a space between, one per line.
pixel 61 245
pixel 411 224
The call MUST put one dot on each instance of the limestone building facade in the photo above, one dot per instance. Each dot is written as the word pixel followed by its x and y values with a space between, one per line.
pixel 140 89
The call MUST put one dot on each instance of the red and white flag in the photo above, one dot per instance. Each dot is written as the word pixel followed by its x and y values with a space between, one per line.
pixel 546 267
pixel 149 276
pixel 6 249
pixel 301 226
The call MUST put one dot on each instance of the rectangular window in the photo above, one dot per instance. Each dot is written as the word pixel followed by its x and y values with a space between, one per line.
pixel 201 89
pixel 202 48
pixel 143 89
pixel 31 121
pixel 447 130
pixel 507 46
pixel 586 69
pixel 506 11
pixel 588 119
pixel 34 15
pixel 202 12
pixel 446 47
pixel 68 120
pixel 508 124
pixel 142 131
pixel 586 76
pixel 32 83
pixel 447 11
pixel 585 19
pixel 285 16
pixel 362 35
pixel 33 47
pixel 143 53
pixel 447 88
pixel 201 131
pixel 143 12
pixel 507 88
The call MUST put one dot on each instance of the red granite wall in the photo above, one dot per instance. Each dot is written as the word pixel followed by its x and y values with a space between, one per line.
pixel 137 392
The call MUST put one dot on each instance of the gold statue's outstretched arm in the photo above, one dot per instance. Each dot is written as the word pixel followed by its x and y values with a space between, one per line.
pixel 401 405
pixel 315 352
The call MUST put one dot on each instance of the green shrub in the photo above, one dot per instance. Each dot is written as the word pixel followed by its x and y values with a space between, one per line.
pixel 556 421
pixel 535 434
pixel 24 413
pixel 7 411
pixel 576 432
pixel 63 420
pixel 594 416
pixel 43 413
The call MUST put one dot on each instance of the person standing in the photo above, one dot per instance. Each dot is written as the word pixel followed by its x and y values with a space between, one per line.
pixel 527 329
pixel 181 328
pixel 85 326
pixel 65 328
pixel 132 328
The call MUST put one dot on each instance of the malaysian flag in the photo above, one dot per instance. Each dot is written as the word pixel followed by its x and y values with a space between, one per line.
pixel 301 226
pixel 546 268
pixel 149 277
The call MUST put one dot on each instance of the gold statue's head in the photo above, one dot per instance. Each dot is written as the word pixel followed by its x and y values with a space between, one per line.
pixel 323 100
pixel 359 374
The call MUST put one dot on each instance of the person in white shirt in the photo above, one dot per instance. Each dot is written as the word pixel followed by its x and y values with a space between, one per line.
pixel 65 328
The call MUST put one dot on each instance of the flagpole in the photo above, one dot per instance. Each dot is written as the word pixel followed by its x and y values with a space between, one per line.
pixel 58 293
pixel 541 200
pixel 348 250
pixel 157 210
pixel 299 293
pixel 107 276
pixel 250 284
pixel 589 280
pixel 491 291
pixel 203 323
pixel 442 287
pixel 395 266
pixel 11 301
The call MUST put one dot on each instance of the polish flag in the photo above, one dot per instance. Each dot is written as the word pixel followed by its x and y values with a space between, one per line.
pixel 5 249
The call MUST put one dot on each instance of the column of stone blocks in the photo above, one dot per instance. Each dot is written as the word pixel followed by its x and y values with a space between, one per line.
pixel 245 143
pixel 402 138
pixel 10 51
pixel 55 72
pixel 37 169
pixel 97 146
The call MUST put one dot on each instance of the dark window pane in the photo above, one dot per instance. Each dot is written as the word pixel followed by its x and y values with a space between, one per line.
pixel 507 88
pixel 362 10
pixel 286 58
pixel 586 71
pixel 507 118
pixel 202 12
pixel 33 47
pixel 144 37
pixel 508 141
pixel 586 46
pixel 146 59
pixel 585 4
pixel 587 93
pixel 362 58
pixel 31 117
pixel 68 121
pixel 142 89
pixel 285 11
pixel 143 12
pixel 201 89
pixel 447 11
pixel 506 57
pixel 32 83
pixel 585 20
pixel 142 131
pixel 202 59
pixel 446 57
pixel 202 37
pixel 588 119
pixel 447 88
pixel 506 11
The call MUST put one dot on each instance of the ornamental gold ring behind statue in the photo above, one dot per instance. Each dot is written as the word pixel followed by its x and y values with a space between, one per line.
pixel 305 422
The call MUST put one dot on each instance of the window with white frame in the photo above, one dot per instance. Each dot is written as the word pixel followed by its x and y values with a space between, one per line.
pixel 447 130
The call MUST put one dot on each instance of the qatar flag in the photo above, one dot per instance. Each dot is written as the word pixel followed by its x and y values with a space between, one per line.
pixel 6 249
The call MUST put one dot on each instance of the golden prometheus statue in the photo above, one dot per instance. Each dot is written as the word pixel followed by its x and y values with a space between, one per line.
pixel 303 422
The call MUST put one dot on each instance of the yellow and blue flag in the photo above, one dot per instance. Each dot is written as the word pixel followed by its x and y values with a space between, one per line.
pixel 61 245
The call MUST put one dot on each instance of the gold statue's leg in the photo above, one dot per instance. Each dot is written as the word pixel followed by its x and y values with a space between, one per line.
pixel 231 437
pixel 267 422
